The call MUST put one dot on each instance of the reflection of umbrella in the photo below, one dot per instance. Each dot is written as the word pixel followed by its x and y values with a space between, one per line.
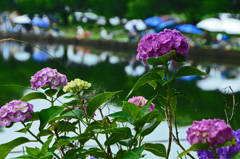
pixel 189 28
pixel 22 56
pixel 231 26
pixel 40 56
pixel 140 25
pixel 164 25
pixel 23 19
pixel 211 24
pixel 153 21
pixel 91 16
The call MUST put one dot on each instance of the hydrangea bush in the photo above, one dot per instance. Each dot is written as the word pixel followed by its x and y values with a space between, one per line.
pixel 210 138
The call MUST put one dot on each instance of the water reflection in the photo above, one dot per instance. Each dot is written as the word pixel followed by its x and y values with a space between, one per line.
pixel 114 71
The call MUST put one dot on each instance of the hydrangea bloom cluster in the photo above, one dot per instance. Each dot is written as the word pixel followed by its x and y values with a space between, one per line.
pixel 15 111
pixel 159 44
pixel 212 131
pixel 141 102
pixel 223 152
pixel 48 76
pixel 76 86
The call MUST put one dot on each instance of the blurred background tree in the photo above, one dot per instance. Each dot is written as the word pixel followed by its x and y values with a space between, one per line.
pixel 193 11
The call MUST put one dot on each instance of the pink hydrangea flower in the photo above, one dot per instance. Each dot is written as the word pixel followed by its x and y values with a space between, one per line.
pixel 15 111
pixel 48 76
pixel 141 102
pixel 159 44
pixel 212 131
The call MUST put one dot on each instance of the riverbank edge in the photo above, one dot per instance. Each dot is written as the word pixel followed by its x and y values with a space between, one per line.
pixel 196 53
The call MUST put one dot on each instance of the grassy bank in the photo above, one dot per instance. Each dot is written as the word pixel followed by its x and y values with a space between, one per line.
pixel 119 32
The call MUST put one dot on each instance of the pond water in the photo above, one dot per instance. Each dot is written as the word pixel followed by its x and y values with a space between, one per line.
pixel 112 71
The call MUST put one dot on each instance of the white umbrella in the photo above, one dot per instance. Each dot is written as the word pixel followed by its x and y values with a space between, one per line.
pixel 211 24
pixel 231 26
pixel 140 25
pixel 23 19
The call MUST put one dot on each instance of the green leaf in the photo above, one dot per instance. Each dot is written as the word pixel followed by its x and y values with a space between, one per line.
pixel 185 71
pixel 147 118
pixel 83 138
pixel 153 84
pixel 195 147
pixel 114 138
pixel 70 113
pixel 26 157
pixel 49 156
pixel 70 96
pixel 97 101
pixel 32 151
pixel 121 131
pixel 123 115
pixel 237 156
pixel 45 132
pixel 6 148
pixel 45 146
pixel 127 142
pixel 179 58
pixel 120 154
pixel 148 77
pixel 149 128
pixel 161 60
pixel 47 115
pixel 32 96
pixel 65 126
pixel 184 94
pixel 46 86
pixel 228 143
pixel 50 92
pixel 60 93
pixel 145 108
pixel 132 110
pixel 24 130
pixel 157 149
pixel 71 103
pixel 135 153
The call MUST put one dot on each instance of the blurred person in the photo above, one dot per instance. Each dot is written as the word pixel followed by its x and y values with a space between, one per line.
pixel 103 33
pixel 55 32
pixel 87 34
pixel 80 33
pixel 132 35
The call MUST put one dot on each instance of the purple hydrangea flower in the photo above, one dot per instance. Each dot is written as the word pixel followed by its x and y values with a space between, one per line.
pixel 15 111
pixel 141 102
pixel 48 76
pixel 159 44
pixel 223 152
pixel 212 131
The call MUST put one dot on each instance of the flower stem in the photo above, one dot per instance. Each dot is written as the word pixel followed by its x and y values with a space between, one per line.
pixel 215 153
pixel 37 138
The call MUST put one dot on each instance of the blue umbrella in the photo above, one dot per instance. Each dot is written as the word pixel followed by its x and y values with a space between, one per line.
pixel 40 22
pixel 153 21
pixel 189 28
pixel 164 25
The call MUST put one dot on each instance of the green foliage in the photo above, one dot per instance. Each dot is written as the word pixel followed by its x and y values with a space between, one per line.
pixel 132 110
pixel 32 96
pixel 148 77
pixel 46 115
pixel 161 60
pixel 97 101
pixel 7 147
pixel 157 149
pixel 135 153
